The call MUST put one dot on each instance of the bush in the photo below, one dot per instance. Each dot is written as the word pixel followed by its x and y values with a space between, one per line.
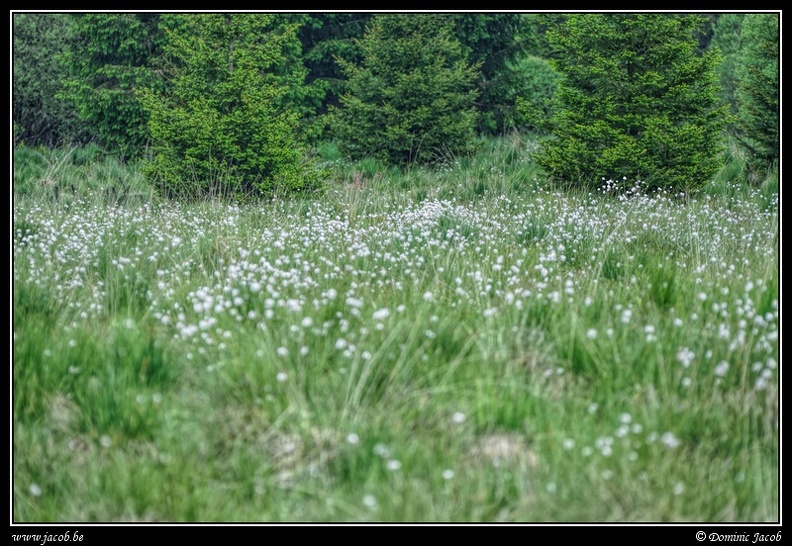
pixel 635 101
pixel 535 86
pixel 412 97
pixel 225 126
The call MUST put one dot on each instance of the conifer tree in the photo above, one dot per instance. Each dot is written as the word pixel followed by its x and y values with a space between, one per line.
pixel 411 99
pixel 758 91
pixel 636 100
pixel 225 124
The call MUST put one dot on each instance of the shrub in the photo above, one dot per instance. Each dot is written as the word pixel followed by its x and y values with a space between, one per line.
pixel 536 83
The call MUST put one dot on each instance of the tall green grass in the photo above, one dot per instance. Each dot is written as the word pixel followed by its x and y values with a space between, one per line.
pixel 450 344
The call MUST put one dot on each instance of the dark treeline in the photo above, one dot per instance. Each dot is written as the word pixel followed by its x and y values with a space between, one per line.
pixel 236 101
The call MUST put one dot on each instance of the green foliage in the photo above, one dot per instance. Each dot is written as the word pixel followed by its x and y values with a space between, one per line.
pixel 412 97
pixel 226 124
pixel 636 101
pixel 727 38
pixel 41 117
pixel 535 85
pixel 113 55
pixel 494 42
pixel 325 37
pixel 757 91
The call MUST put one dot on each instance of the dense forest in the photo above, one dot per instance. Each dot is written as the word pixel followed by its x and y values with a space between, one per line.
pixel 251 95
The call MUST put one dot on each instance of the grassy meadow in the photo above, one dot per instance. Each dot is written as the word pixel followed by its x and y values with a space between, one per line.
pixel 456 344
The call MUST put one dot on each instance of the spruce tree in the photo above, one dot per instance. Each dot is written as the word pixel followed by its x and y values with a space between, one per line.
pixel 112 56
pixel 411 99
pixel 757 92
pixel 225 124
pixel 41 115
pixel 636 100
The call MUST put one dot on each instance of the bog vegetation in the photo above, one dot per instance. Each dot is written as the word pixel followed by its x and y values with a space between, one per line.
pixel 365 267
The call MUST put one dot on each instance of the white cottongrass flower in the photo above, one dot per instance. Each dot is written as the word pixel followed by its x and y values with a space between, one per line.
pixel 670 440
pixel 458 417
pixel 35 489
pixel 282 351
pixel 428 296
pixel 591 333
pixel 685 356
pixel 282 377
pixel 393 465
pixel 447 474
pixel 353 439
pixel 381 314
pixel 722 368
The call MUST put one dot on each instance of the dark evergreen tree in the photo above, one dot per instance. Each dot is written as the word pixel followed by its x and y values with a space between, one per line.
pixel 40 116
pixel 636 100
pixel 758 90
pixel 496 43
pixel 326 37
pixel 411 99
pixel 112 56
pixel 726 38
pixel 226 124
